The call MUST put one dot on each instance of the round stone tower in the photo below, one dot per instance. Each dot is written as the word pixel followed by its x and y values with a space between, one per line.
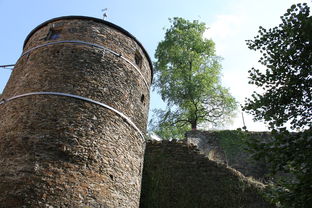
pixel 73 117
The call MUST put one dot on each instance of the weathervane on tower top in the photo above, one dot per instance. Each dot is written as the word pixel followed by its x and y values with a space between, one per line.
pixel 104 13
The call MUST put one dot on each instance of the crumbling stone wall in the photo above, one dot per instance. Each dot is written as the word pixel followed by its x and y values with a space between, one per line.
pixel 207 144
pixel 57 151
pixel 176 175
pixel 228 147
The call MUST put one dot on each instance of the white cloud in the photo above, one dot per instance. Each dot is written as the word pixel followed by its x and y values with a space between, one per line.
pixel 224 27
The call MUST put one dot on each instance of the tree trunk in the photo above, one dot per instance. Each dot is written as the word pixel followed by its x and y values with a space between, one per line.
pixel 194 125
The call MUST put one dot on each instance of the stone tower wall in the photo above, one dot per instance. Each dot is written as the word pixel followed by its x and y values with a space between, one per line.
pixel 59 151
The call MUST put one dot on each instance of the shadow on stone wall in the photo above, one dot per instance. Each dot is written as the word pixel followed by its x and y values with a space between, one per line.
pixel 176 175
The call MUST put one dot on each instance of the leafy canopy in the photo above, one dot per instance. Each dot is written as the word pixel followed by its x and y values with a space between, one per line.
pixel 187 76
pixel 287 56
pixel 287 81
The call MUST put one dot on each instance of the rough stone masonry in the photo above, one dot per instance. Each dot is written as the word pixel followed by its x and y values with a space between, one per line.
pixel 60 151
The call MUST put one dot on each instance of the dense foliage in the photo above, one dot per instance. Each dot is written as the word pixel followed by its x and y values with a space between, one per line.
pixel 286 102
pixel 187 76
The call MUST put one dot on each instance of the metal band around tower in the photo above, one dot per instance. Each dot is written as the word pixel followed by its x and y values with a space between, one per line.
pixel 90 44
pixel 128 120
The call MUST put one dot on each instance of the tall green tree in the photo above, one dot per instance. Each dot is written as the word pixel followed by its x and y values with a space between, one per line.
pixel 287 102
pixel 187 76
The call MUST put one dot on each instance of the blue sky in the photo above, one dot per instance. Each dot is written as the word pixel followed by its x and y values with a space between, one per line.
pixel 231 22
